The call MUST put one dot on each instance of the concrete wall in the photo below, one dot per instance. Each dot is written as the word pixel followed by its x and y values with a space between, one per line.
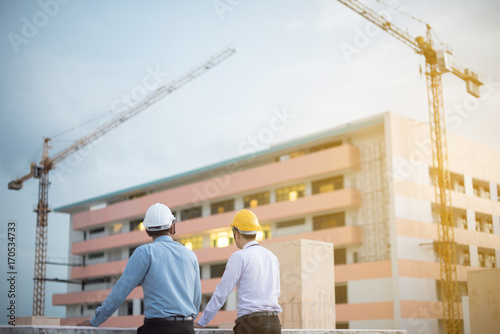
pixel 307 283
pixel 484 300
pixel 88 330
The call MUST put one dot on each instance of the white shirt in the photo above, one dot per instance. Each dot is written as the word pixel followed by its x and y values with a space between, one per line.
pixel 255 272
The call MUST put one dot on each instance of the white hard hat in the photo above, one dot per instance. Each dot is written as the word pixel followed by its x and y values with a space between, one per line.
pixel 158 218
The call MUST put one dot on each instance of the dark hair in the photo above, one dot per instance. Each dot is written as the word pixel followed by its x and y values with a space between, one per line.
pixel 158 233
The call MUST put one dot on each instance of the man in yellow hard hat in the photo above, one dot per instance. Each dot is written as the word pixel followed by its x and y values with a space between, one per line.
pixel 254 271
pixel 169 275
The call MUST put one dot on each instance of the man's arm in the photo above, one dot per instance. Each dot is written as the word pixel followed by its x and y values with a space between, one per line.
pixel 227 283
pixel 133 274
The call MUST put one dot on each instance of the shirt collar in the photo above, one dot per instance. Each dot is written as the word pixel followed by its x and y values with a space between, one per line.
pixel 163 237
pixel 251 243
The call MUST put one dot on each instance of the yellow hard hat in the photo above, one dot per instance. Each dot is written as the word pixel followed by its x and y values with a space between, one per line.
pixel 246 222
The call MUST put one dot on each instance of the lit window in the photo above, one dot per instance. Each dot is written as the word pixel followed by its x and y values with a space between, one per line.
pixel 117 227
pixel 193 243
pixel 290 193
pixel 263 233
pixel 136 225
pixel 251 201
pixel 221 239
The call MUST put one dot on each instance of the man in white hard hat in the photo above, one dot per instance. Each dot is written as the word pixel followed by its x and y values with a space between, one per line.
pixel 254 271
pixel 170 277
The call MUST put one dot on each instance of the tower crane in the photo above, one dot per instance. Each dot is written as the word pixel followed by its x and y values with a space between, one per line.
pixel 437 61
pixel 47 163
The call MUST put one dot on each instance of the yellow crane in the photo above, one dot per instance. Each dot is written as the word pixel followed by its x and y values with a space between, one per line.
pixel 437 61
pixel 41 170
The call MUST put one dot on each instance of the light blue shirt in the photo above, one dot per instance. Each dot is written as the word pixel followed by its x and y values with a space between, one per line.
pixel 170 277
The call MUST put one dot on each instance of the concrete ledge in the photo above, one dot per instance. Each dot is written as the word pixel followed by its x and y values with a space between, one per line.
pixel 90 330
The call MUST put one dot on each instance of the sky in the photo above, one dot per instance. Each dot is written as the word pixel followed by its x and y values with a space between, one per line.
pixel 67 66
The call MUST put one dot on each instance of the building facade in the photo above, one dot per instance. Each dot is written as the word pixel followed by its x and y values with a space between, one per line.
pixel 364 186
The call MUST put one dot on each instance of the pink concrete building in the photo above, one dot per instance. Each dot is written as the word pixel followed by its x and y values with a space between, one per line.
pixel 364 186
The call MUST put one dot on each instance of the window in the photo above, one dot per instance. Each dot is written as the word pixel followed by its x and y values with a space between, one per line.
pixel 216 270
pixel 92 307
pixel 290 193
pixel 251 201
pixel 457 182
pixel 221 239
pixel 342 325
pixel 130 308
pixel 328 221
pixel 136 195
pixel 481 259
pixel 489 227
pixel 493 260
pixel 223 206
pixel 339 256
pixel 204 301
pixel 191 213
pixel 326 185
pixel 481 189
pixel 466 258
pixel 341 294
pixel 263 233
pixel 96 230
pixel 195 242
pixel 290 223
pixel 95 256
pixel 136 225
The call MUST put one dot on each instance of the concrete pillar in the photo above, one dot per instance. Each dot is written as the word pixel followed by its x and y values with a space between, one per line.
pixel 469 190
pixel 308 189
pixel 493 191
pixel 307 283
pixel 474 257
pixel 205 209
pixel 471 220
pixel 136 306
pixel 466 314
pixel 205 271
pixel 484 295
pixel 496 224
pixel 272 196
pixel 238 203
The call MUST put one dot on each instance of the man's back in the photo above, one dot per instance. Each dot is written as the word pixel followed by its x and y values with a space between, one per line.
pixel 259 267
pixel 171 265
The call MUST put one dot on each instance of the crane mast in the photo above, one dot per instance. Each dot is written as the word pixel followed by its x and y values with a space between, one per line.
pixel 41 171
pixel 437 63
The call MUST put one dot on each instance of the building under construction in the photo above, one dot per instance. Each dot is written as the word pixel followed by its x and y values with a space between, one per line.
pixel 365 186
